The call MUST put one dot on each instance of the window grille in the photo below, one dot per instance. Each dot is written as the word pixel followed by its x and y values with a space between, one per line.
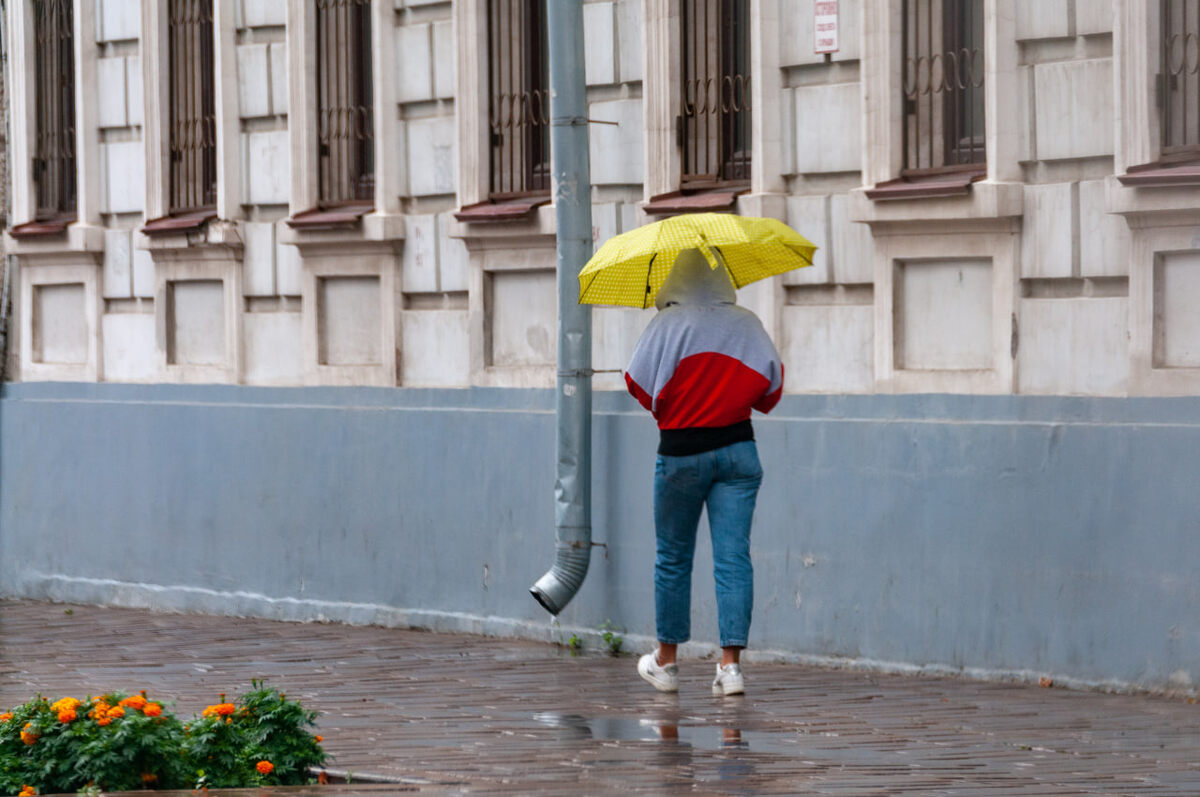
pixel 193 128
pixel 713 127
pixel 942 74
pixel 518 98
pixel 1179 79
pixel 54 75
pixel 345 115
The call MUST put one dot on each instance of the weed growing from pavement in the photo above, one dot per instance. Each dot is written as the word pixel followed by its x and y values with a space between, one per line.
pixel 613 640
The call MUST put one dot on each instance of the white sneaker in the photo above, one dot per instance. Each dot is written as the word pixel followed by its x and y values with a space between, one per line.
pixel 729 680
pixel 664 678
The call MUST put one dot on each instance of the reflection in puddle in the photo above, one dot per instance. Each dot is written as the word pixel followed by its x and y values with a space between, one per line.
pixel 697 736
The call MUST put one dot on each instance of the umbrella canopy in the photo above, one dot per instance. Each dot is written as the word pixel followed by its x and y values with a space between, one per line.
pixel 630 268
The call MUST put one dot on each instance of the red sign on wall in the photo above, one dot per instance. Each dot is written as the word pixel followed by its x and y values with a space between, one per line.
pixel 825 26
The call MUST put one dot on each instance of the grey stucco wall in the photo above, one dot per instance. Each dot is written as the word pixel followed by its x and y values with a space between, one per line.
pixel 1002 536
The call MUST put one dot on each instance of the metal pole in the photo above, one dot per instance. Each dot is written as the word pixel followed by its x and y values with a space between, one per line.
pixel 573 213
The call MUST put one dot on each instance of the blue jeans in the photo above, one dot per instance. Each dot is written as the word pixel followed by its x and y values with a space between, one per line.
pixel 727 480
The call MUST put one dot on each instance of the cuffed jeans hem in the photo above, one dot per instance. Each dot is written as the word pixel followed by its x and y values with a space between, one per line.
pixel 734 644
pixel 676 641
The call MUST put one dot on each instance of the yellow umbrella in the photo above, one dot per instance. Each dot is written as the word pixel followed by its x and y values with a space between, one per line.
pixel 630 268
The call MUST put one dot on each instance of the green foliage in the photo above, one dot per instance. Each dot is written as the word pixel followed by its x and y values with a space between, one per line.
pixel 133 751
pixel 612 640
pixel 223 750
pixel 141 745
pixel 575 643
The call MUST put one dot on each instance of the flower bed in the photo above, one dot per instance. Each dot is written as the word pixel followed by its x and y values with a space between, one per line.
pixel 118 742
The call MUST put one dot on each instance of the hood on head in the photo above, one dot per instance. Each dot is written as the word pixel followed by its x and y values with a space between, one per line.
pixel 693 281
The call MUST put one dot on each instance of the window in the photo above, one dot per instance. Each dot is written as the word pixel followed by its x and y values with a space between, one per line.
pixel 942 74
pixel 518 98
pixel 54 74
pixel 345 117
pixel 713 126
pixel 193 129
pixel 1178 93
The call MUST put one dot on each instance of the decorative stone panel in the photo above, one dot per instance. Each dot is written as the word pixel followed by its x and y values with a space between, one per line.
pixel 943 315
pixel 598 51
pixel 1048 233
pixel 1176 322
pixel 615 151
pixel 60 320
pixel 1074 114
pixel 524 318
pixel 827 130
pixel 1075 346
pixel 827 348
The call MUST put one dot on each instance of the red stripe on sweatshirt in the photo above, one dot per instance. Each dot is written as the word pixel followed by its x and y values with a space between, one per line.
pixel 709 390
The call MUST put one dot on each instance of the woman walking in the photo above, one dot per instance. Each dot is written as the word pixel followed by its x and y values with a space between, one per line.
pixel 700 367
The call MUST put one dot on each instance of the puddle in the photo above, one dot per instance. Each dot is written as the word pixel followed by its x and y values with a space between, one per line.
pixel 641 729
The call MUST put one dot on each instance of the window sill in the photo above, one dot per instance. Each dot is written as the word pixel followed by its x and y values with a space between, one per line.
pixel 343 217
pixel 179 224
pixel 501 211
pixel 55 236
pixel 711 201
pixel 40 230
pixel 1161 175
pixel 931 186
pixel 985 204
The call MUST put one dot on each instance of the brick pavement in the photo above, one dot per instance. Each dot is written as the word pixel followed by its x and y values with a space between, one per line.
pixel 461 714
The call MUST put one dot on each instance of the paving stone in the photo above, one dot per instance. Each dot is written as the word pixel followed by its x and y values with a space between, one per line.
pixel 447 713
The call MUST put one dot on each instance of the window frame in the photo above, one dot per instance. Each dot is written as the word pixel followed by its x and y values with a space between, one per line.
pixel 533 99
pixel 346 170
pixel 58 201
pixel 732 50
pixel 942 149
pixel 1189 151
pixel 192 165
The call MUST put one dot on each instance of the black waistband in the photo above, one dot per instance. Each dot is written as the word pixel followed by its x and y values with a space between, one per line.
pixel 685 442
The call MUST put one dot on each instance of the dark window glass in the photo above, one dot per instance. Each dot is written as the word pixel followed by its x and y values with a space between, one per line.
pixel 1179 79
pixel 54 74
pixel 942 75
pixel 518 98
pixel 345 116
pixel 713 126
pixel 193 127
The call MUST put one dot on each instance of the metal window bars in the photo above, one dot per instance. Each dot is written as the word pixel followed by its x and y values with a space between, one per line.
pixel 518 98
pixel 345 111
pixel 192 125
pixel 54 76
pixel 942 78
pixel 713 126
pixel 1179 79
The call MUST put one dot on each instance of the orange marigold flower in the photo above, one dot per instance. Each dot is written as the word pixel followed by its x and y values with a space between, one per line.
pixel 99 710
pixel 103 721
pixel 6 716
pixel 149 777
pixel 67 715
pixel 116 711
pixel 28 736
pixel 134 702
pixel 319 738
pixel 27 791
pixel 66 703
pixel 265 767
pixel 228 720
pixel 152 710
pixel 225 709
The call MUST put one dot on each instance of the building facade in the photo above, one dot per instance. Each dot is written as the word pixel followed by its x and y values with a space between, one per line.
pixel 349 194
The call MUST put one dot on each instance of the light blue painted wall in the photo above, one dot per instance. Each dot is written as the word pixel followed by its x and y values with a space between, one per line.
pixel 1006 535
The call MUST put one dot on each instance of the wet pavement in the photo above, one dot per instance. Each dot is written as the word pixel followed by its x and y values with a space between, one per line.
pixel 444 713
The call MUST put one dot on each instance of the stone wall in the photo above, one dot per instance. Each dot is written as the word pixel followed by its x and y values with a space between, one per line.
pixel 473 303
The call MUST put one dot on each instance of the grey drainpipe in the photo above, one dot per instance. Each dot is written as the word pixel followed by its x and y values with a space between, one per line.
pixel 573 213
